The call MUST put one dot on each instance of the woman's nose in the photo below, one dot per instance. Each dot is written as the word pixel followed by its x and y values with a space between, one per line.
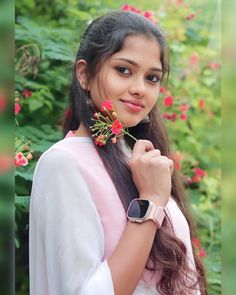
pixel 138 87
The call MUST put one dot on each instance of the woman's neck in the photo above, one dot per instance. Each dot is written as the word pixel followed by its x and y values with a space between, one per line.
pixel 81 131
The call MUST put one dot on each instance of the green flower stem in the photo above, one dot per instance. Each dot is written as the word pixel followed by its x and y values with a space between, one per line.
pixel 100 115
pixel 105 128
pixel 20 144
pixel 108 136
pixel 127 133
pixel 110 115
pixel 97 121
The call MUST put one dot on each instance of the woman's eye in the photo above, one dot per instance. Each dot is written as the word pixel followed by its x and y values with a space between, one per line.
pixel 123 70
pixel 153 78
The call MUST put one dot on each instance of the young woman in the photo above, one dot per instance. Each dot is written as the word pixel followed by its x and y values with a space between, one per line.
pixel 111 218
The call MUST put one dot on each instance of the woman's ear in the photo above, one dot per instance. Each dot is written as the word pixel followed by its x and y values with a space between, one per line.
pixel 81 73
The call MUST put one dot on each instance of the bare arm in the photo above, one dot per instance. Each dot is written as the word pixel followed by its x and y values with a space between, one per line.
pixel 130 256
pixel 152 176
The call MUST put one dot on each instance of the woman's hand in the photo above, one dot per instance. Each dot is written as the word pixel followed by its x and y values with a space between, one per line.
pixel 151 172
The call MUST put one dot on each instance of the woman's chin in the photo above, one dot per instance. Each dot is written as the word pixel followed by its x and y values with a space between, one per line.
pixel 130 123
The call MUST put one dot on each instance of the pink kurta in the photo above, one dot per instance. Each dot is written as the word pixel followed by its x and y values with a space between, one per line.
pixel 76 221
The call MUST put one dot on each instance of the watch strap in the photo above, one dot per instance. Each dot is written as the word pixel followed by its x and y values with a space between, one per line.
pixel 157 214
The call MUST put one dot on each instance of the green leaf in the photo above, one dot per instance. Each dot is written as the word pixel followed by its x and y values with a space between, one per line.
pixel 177 47
pixel 55 50
pixel 82 15
pixel 26 172
pixel 41 146
pixel 34 105
pixel 23 201
pixel 17 243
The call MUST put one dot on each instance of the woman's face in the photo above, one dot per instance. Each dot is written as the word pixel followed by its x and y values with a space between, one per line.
pixel 130 78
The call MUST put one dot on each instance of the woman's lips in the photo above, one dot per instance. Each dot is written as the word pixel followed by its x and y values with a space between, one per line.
pixel 132 107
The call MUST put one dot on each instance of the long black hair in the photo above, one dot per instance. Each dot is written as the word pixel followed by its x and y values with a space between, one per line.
pixel 104 37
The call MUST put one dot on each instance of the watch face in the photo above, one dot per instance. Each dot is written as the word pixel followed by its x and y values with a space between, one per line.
pixel 138 208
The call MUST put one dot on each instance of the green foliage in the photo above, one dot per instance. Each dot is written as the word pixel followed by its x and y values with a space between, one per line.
pixel 23 202
pixel 48 34
pixel 54 43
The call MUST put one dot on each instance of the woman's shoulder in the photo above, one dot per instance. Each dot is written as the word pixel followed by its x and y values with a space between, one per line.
pixel 67 148
pixel 53 160
pixel 70 152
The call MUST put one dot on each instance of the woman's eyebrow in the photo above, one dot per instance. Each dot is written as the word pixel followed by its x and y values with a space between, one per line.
pixel 136 65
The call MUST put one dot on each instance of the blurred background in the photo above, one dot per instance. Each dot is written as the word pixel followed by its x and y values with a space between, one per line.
pixel 47 36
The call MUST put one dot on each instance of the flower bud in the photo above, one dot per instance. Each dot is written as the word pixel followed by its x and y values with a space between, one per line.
pixel 29 156
pixel 114 115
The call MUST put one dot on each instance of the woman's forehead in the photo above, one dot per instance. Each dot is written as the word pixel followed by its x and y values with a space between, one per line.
pixel 140 50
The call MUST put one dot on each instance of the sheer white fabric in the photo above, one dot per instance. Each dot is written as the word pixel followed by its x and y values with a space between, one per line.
pixel 66 239
pixel 66 236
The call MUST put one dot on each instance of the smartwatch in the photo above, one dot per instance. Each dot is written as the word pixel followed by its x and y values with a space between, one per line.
pixel 141 210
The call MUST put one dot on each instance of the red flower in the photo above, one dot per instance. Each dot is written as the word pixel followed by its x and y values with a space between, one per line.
pixel 190 16
pixel 127 7
pixel 194 58
pixel 183 117
pixel 177 165
pixel 195 178
pixel 100 140
pixel 162 89
pixel 116 127
pixel 173 117
pixel 113 140
pixel 200 251
pixel 149 15
pixel 170 116
pixel 29 156
pixel 168 101
pixel 6 163
pixel 2 102
pixel 17 108
pixel 215 66
pixel 202 104
pixel 184 107
pixel 200 172
pixel 107 105
pixel 196 242
pixel 27 93
pixel 176 157
pixel 165 116
pixel 179 2
pixel 198 175
pixel 20 160
pixel 106 125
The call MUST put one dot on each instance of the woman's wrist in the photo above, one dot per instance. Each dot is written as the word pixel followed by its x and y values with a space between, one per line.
pixel 155 198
